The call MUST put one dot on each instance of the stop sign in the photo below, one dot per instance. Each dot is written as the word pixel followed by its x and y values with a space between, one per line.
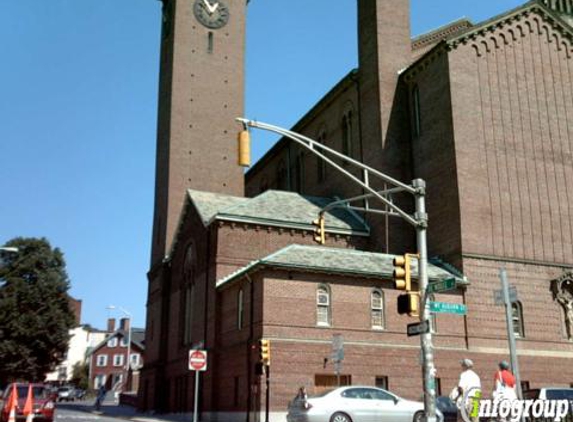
pixel 197 360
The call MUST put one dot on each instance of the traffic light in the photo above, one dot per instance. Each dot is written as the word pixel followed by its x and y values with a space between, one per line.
pixel 402 272
pixel 244 139
pixel 319 233
pixel 409 303
pixel 265 351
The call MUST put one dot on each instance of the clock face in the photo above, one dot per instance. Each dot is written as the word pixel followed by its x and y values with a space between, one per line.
pixel 211 13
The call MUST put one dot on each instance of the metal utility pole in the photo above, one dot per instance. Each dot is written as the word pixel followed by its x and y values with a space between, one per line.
pixel 419 221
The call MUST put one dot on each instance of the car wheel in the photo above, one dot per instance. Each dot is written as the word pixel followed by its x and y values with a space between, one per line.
pixel 340 417
pixel 418 417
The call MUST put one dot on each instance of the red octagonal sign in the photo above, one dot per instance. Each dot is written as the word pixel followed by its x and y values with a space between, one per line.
pixel 197 360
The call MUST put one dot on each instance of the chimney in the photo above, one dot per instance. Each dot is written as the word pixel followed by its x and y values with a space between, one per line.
pixel 110 325
pixel 124 324
pixel 384 48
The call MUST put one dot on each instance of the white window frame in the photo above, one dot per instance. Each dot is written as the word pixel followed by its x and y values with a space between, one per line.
pixel 323 291
pixel 517 319
pixel 101 360
pixel 118 359
pixel 377 308
pixel 123 342
pixel 112 342
pixel 134 359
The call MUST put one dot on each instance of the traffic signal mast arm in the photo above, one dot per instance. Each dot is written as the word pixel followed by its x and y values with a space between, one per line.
pixel 317 148
pixel 419 220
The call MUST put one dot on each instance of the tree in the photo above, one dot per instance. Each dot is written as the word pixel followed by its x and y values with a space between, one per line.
pixel 35 316
pixel 80 374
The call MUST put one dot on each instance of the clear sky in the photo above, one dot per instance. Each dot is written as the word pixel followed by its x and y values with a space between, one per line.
pixel 78 106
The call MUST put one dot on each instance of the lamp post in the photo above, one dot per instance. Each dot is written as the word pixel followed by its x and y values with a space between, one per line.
pixel 128 360
pixel 419 220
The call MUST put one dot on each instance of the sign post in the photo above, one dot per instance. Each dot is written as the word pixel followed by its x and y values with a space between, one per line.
pixel 197 363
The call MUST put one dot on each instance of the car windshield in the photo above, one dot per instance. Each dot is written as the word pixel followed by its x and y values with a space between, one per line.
pixel 559 394
pixel 38 391
pixel 64 389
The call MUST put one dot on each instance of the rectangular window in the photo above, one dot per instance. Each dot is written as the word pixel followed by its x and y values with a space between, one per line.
pixel 438 387
pixel 134 361
pixel 382 382
pixel 240 310
pixel 124 342
pixel 118 360
pixel 112 342
pixel 101 360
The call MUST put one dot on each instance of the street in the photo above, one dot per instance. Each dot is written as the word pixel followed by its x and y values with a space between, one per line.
pixel 84 411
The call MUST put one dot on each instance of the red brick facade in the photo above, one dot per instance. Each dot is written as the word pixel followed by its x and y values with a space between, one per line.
pixel 482 116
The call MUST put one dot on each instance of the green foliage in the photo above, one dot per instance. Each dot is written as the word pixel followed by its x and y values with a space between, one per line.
pixel 80 374
pixel 35 315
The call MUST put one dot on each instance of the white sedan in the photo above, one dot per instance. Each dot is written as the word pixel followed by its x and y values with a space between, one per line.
pixel 356 404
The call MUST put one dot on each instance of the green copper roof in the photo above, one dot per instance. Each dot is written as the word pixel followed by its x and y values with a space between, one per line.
pixel 208 204
pixel 277 208
pixel 336 260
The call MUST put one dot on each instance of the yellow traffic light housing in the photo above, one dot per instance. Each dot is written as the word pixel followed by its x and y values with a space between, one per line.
pixel 319 233
pixel 265 351
pixel 244 139
pixel 409 303
pixel 403 272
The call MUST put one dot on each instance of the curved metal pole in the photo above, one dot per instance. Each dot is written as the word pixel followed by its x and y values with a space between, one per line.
pixel 309 145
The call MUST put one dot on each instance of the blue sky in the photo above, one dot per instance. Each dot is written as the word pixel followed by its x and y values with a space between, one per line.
pixel 78 106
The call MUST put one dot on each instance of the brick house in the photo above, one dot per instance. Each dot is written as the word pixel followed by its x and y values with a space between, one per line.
pixel 479 111
pixel 108 360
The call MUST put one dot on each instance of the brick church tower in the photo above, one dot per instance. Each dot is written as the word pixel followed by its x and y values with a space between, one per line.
pixel 201 92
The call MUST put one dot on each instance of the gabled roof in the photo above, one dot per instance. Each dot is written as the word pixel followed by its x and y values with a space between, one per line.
pixel 137 338
pixel 488 26
pixel 495 22
pixel 336 260
pixel 289 210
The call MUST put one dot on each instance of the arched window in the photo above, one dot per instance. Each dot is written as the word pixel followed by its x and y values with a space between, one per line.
pixel 320 163
pixel 416 116
pixel 377 309
pixel 188 313
pixel 517 319
pixel 347 141
pixel 323 313
pixel 189 264
pixel 240 310
pixel 299 173
pixel 282 182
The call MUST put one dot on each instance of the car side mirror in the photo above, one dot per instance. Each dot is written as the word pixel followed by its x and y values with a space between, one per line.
pixel 395 400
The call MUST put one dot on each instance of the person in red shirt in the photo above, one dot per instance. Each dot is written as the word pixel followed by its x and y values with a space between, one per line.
pixel 503 377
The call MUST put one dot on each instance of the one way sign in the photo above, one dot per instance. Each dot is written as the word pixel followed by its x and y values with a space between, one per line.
pixel 418 328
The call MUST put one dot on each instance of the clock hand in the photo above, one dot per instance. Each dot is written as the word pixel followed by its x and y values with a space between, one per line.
pixel 211 8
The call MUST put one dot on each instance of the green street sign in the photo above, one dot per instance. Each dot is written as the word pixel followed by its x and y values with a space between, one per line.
pixel 448 308
pixel 442 285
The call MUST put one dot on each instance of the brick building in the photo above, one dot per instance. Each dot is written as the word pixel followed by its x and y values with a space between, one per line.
pixel 108 360
pixel 479 111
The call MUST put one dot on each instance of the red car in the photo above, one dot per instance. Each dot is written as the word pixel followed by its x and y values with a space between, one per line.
pixel 43 404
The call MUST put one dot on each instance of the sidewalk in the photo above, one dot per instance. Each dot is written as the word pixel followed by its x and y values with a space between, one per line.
pixel 130 413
